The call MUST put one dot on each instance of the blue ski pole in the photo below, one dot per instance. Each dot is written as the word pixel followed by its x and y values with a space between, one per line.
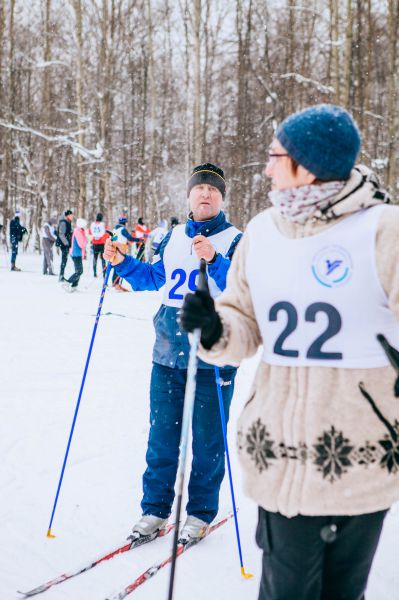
pixel 109 267
pixel 226 446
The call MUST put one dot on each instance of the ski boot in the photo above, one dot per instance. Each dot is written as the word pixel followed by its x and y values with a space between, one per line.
pixel 68 287
pixel 148 528
pixel 193 529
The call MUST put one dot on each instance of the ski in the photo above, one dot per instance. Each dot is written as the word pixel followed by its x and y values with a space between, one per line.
pixel 125 548
pixel 151 571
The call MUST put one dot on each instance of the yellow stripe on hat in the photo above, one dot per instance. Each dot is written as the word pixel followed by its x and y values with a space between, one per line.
pixel 208 171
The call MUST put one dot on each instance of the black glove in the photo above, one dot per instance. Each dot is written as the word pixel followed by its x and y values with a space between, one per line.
pixel 198 312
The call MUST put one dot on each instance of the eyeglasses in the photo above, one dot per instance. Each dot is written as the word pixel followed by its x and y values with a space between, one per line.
pixel 274 155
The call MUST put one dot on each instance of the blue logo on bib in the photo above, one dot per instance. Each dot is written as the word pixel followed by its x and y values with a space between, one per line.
pixel 332 266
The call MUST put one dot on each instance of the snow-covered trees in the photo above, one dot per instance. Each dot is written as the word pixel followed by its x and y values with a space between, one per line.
pixel 106 104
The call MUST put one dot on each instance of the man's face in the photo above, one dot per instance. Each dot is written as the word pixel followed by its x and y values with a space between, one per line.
pixel 205 201
pixel 70 217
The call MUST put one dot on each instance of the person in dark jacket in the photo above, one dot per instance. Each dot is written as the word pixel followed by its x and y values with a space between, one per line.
pixel 173 222
pixel 142 232
pixel 206 234
pixel 64 237
pixel 17 231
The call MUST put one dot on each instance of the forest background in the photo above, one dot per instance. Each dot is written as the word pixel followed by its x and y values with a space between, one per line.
pixel 106 105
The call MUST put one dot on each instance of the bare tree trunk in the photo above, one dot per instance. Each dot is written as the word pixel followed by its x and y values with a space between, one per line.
pixel 105 99
pixel 348 55
pixel 188 122
pixel 290 59
pixel 334 7
pixel 359 91
pixel 393 28
pixel 367 82
pixel 207 77
pixel 8 162
pixel 197 81
pixel 153 103
pixel 79 102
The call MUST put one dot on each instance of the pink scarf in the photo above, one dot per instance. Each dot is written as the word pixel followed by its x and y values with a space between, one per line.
pixel 80 236
pixel 299 204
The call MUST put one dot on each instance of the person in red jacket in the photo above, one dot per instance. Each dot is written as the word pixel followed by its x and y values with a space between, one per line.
pixel 142 232
pixel 99 235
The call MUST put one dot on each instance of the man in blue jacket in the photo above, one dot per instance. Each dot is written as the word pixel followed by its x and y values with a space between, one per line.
pixel 207 234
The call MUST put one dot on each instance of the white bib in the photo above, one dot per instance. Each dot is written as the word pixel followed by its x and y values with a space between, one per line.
pixel 182 264
pixel 318 300
pixel 97 230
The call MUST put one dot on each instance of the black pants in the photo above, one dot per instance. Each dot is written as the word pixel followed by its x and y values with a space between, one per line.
pixel 78 264
pixel 98 250
pixel 299 565
pixel 64 258
pixel 14 252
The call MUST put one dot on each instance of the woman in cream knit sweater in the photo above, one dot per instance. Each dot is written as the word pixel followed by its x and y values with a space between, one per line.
pixel 314 280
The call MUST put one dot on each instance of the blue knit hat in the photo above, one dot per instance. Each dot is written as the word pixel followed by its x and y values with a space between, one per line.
pixel 324 139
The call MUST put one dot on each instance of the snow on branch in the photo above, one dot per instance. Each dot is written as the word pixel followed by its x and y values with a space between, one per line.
pixel 61 140
pixel 324 89
pixel 44 64
pixel 49 63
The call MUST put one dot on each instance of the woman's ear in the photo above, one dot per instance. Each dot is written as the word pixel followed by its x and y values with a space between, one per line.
pixel 306 177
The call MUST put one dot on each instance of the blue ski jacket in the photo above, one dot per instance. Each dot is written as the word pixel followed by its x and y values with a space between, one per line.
pixel 172 346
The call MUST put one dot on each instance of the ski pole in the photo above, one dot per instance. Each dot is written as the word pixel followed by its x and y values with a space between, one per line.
pixel 109 266
pixel 219 381
pixel 189 398
pixel 393 357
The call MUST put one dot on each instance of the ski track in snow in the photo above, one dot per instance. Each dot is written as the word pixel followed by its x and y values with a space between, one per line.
pixel 45 335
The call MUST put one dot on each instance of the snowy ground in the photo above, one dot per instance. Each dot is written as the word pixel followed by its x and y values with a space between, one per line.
pixel 44 340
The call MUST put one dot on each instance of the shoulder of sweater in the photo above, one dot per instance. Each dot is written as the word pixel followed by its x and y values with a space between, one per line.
pixel 388 229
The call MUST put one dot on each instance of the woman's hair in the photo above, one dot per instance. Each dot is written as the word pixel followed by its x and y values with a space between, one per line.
pixel 294 169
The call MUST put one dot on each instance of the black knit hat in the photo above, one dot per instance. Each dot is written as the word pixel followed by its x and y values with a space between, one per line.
pixel 68 212
pixel 207 173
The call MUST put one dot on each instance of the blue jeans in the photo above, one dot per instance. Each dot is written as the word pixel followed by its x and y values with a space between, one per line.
pixel 207 469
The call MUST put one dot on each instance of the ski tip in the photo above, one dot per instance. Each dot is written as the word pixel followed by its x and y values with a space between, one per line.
pixel 49 534
pixel 246 575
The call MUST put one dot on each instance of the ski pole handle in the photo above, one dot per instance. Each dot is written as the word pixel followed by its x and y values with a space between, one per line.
pixel 202 283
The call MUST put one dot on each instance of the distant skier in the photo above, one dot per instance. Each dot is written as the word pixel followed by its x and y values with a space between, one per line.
pixel 155 239
pixel 49 237
pixel 142 232
pixel 173 222
pixel 313 281
pixel 207 234
pixel 99 235
pixel 64 237
pixel 17 231
pixel 77 251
